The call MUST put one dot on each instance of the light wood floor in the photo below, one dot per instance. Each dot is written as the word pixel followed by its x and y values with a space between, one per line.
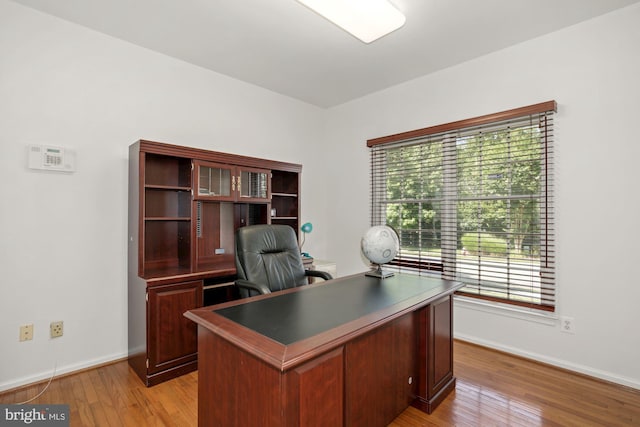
pixel 493 389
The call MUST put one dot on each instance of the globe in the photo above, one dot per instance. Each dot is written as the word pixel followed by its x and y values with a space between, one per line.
pixel 380 245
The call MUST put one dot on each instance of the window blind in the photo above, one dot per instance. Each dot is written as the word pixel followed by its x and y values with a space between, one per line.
pixel 473 201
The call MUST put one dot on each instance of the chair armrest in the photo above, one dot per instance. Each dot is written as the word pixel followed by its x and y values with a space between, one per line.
pixel 258 287
pixel 317 273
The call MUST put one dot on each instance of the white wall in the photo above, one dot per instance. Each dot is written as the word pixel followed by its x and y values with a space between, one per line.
pixel 592 71
pixel 63 236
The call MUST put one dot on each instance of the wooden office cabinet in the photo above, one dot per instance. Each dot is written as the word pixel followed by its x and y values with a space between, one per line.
pixel 184 207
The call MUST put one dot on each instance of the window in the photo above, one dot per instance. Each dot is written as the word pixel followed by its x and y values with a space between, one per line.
pixel 473 201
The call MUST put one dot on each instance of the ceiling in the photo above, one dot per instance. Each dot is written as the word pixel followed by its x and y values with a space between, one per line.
pixel 282 46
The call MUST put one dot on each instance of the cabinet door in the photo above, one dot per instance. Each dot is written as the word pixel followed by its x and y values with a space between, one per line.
pixel 253 185
pixel 172 338
pixel 215 181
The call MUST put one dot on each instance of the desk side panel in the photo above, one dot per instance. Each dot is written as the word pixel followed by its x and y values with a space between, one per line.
pixel 314 392
pixel 235 389
pixel 435 354
pixel 442 348
pixel 137 324
pixel 380 369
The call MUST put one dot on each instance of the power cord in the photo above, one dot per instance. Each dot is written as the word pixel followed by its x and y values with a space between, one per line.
pixel 55 368
pixel 54 352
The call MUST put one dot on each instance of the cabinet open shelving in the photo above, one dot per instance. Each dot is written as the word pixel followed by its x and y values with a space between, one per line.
pixel 284 198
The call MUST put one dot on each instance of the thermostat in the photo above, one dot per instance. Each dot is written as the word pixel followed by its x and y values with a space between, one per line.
pixel 50 158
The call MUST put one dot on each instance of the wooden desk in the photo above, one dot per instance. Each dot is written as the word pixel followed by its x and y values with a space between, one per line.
pixel 353 351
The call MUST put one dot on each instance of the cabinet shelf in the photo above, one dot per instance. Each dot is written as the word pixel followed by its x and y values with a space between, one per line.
pixel 167 218
pixel 167 203
pixel 283 217
pixel 283 195
pixel 167 187
pixel 163 272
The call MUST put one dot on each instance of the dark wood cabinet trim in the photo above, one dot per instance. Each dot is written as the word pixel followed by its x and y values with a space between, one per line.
pixel 215 156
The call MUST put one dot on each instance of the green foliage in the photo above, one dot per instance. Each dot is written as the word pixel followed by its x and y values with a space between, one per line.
pixel 483 244
pixel 503 163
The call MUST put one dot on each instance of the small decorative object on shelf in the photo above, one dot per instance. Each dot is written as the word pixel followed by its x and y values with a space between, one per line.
pixel 307 227
pixel 380 244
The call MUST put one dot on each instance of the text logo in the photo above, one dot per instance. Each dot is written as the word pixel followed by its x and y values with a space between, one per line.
pixel 34 415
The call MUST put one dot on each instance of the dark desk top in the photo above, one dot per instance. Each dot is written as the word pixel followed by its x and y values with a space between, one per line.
pixel 286 328
pixel 287 318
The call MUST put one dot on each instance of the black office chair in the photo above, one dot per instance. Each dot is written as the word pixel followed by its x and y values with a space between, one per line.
pixel 268 260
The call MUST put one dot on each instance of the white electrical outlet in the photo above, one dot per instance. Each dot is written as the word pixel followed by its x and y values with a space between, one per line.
pixel 26 332
pixel 56 329
pixel 567 324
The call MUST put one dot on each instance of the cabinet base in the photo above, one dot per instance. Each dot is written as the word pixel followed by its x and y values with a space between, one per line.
pixel 157 378
pixel 429 405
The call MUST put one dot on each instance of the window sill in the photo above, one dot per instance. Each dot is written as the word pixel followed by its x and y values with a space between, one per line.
pixel 528 314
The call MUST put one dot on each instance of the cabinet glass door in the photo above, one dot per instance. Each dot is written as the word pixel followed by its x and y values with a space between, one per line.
pixel 254 184
pixel 215 181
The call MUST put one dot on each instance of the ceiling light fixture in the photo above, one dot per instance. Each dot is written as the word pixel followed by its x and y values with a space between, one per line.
pixel 367 20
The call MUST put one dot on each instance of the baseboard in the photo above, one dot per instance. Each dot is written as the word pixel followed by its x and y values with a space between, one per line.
pixel 562 364
pixel 61 371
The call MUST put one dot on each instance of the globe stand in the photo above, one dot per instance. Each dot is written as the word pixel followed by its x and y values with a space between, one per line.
pixel 379 273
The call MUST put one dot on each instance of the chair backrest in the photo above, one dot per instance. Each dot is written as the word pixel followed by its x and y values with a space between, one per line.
pixel 269 254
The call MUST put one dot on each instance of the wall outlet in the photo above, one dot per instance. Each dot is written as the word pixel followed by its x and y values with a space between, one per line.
pixel 567 324
pixel 56 329
pixel 26 332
